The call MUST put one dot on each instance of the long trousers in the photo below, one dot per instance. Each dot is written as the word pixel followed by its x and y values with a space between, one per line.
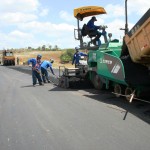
pixel 44 74
pixel 36 76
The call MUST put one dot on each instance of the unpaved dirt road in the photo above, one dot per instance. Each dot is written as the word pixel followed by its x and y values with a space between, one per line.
pixel 51 118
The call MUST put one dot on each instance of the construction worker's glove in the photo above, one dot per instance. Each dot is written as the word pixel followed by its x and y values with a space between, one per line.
pixel 30 65
pixel 103 27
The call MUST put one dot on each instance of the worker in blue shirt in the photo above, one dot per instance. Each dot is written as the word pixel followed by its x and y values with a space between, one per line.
pixel 76 57
pixel 93 28
pixel 36 66
pixel 44 66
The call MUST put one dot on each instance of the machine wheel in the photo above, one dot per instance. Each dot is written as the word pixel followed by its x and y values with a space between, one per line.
pixel 6 63
pixel 9 63
pixel 118 90
pixel 128 92
pixel 13 63
pixel 97 82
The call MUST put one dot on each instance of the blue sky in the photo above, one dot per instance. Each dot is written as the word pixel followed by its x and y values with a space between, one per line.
pixel 35 23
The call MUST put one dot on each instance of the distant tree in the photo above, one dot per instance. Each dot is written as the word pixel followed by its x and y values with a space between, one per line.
pixel 39 48
pixel 29 47
pixel 50 47
pixel 67 55
pixel 70 52
pixel 55 48
pixel 43 48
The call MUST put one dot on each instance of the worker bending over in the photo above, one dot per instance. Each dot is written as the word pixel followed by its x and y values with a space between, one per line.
pixel 44 66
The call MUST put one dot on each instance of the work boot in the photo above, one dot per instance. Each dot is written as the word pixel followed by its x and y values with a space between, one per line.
pixel 41 83
pixel 49 81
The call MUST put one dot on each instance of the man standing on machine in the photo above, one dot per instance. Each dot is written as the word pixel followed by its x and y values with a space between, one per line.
pixel 77 56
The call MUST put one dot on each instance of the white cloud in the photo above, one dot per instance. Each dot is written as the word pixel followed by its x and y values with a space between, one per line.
pixel 66 16
pixel 18 11
pixel 114 11
pixel 14 18
pixel 44 12
pixel 46 28
pixel 114 28
pixel 20 35
pixel 139 7
pixel 35 34
pixel 18 5
pixel 16 38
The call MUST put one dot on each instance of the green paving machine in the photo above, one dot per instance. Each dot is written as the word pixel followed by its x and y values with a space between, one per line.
pixel 121 66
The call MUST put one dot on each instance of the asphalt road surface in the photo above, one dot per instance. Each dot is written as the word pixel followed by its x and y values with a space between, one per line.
pixel 51 118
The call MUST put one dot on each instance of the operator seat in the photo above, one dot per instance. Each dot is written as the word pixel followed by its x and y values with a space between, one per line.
pixel 86 31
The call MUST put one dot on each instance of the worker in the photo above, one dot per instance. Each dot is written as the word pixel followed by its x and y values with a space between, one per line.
pixel 44 66
pixel 77 56
pixel 94 29
pixel 36 66
pixel 17 60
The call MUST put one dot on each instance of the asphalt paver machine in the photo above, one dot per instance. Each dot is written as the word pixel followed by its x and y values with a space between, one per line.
pixel 122 66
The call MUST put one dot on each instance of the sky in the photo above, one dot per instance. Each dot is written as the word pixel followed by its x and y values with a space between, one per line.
pixel 34 23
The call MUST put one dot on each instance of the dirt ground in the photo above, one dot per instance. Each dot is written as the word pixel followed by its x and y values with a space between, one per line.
pixel 46 55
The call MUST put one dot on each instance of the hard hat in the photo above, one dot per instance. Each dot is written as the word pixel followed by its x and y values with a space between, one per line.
pixel 39 56
pixel 77 48
pixel 51 60
pixel 94 18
